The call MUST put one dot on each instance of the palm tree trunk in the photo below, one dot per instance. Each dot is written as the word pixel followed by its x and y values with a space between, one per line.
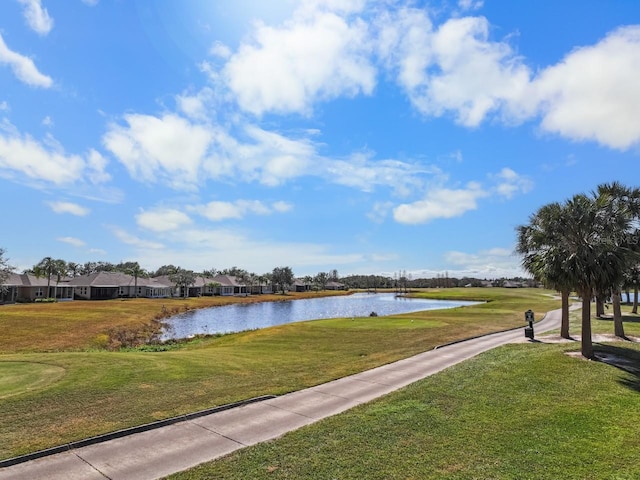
pixel 617 315
pixel 564 327
pixel 626 291
pixel 587 345
pixel 635 299
pixel 599 306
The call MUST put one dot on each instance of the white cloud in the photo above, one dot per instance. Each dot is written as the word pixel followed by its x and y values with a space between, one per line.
pixel 491 263
pixel 470 76
pixel 37 16
pixel 23 67
pixel 217 210
pixel 225 248
pixel 185 154
pixel 195 106
pixel 282 207
pixel 129 239
pixel 470 4
pixel 273 72
pixel 219 49
pixel 510 183
pixel 455 68
pixel 362 172
pixel 594 93
pixel 168 147
pixel 440 203
pixel 91 3
pixel 96 168
pixel 46 162
pixel 162 219
pixel 380 211
pixel 72 241
pixel 452 68
pixel 69 207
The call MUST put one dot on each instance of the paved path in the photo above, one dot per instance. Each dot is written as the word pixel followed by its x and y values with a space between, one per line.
pixel 160 452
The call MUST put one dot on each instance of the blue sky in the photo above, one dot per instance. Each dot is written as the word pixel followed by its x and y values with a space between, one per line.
pixel 366 136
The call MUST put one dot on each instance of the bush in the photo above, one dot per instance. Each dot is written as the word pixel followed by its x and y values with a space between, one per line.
pixel 46 300
pixel 101 341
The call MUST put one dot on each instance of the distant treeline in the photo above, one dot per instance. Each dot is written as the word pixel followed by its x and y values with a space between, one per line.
pixel 402 282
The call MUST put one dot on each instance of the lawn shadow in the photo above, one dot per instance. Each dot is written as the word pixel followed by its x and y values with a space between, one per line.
pixel 626 359
pixel 629 318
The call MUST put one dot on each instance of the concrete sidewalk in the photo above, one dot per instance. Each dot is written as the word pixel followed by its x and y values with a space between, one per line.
pixel 160 452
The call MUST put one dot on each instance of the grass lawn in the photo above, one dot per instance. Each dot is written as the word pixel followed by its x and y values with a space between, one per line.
pixel 604 326
pixel 524 411
pixel 52 397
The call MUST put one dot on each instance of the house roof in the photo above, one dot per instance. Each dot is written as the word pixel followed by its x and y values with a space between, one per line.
pixel 116 279
pixel 200 281
pixel 30 280
pixel 228 281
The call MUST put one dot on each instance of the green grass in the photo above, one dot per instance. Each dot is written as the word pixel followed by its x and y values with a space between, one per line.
pixel 18 377
pixel 519 412
pixel 101 391
pixel 604 326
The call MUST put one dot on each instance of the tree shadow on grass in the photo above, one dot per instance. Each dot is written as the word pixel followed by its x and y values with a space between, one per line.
pixel 626 359
pixel 625 318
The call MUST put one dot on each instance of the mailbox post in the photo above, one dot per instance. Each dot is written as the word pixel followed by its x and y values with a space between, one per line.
pixel 528 331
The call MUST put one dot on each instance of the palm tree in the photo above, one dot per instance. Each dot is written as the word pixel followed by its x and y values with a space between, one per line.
pixel 622 208
pixel 578 244
pixel 48 267
pixel 544 251
pixel 136 271
pixel 598 254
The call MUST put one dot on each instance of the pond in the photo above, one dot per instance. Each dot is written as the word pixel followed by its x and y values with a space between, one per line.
pixel 240 317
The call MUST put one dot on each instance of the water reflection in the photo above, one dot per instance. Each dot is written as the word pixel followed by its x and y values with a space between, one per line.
pixel 239 317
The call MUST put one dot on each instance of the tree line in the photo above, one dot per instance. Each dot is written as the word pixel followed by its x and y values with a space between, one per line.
pixel 588 244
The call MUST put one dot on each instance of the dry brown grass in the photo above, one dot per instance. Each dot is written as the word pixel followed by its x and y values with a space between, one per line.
pixel 85 324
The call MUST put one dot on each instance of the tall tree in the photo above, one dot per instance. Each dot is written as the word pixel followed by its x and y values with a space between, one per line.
pixel 597 254
pixel 165 270
pixel 578 244
pixel 282 277
pixel 321 279
pixel 49 267
pixel 73 269
pixel 183 279
pixel 5 270
pixel 136 271
pixel 621 206
pixel 545 249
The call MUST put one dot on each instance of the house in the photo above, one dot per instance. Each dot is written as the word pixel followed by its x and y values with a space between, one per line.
pixel 108 285
pixel 230 285
pixel 299 285
pixel 218 285
pixel 28 287
pixel 335 286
